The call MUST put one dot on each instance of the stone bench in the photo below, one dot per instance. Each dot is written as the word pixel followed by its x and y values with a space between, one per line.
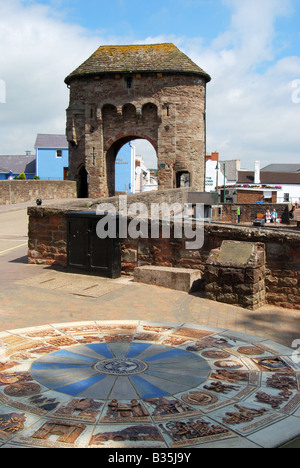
pixel 180 279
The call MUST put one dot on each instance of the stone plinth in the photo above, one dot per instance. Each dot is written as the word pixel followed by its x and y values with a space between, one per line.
pixel 235 274
pixel 180 279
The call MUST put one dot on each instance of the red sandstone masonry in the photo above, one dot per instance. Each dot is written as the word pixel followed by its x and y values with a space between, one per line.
pixel 48 245
pixel 246 196
pixel 169 112
pixel 47 237
pixel 249 211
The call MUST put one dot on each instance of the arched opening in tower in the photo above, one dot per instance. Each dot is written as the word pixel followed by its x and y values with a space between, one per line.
pixel 136 167
pixel 135 176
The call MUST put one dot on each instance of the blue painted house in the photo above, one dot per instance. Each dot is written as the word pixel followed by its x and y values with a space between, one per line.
pixel 124 169
pixel 52 157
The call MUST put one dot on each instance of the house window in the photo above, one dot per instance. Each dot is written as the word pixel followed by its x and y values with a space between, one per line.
pixel 59 153
pixel 286 197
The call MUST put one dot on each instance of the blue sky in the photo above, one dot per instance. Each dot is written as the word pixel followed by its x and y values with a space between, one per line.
pixel 139 19
pixel 249 47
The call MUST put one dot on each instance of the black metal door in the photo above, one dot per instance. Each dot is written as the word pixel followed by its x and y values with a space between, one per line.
pixel 78 242
pixel 87 251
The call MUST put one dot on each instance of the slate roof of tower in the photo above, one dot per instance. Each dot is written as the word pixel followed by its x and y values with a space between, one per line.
pixel 158 58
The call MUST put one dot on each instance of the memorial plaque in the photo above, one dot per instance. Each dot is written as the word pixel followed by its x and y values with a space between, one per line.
pixel 236 252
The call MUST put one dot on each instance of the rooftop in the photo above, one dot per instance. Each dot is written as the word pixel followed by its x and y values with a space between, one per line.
pixel 282 167
pixel 17 164
pixel 51 141
pixel 156 58
pixel 267 177
pixel 231 168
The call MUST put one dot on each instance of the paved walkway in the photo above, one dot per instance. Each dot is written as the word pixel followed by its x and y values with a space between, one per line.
pixel 24 205
pixel 32 295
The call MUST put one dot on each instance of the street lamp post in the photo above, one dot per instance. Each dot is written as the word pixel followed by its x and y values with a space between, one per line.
pixel 224 170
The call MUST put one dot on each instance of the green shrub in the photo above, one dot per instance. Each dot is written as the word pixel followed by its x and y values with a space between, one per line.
pixel 22 176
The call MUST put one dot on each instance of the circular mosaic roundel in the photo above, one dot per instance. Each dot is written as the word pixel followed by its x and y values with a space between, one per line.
pixel 103 370
pixel 121 366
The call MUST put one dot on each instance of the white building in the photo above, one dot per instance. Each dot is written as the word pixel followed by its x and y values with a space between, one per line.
pixel 219 172
pixel 145 181
pixel 287 184
pixel 214 176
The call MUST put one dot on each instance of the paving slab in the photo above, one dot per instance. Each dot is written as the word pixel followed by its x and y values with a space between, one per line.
pixel 75 284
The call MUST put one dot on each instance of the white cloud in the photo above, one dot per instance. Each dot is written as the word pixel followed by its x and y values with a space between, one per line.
pixel 37 51
pixel 250 110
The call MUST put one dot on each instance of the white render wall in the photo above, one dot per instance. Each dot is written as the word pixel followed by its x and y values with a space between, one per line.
pixel 292 189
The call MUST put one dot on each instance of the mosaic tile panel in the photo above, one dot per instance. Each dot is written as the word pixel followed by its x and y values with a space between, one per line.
pixel 138 384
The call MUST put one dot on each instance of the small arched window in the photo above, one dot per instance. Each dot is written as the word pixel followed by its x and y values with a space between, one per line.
pixel 109 111
pixel 129 110
pixel 149 110
pixel 129 82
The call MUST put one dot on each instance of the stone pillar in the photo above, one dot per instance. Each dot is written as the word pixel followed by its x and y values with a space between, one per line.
pixel 235 274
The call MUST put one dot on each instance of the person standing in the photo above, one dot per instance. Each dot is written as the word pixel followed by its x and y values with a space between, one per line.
pixel 274 216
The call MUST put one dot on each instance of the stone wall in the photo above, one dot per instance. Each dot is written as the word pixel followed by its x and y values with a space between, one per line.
pixel 249 211
pixel 252 196
pixel 19 191
pixel 282 277
pixel 48 245
pixel 47 236
pixel 247 196
pixel 48 229
pixel 168 110
pixel 169 197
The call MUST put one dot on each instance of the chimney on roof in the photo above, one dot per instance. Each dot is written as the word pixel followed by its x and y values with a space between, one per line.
pixel 257 173
pixel 212 157
pixel 215 156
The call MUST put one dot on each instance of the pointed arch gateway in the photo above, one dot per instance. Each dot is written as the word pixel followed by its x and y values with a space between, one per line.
pixel 112 153
pixel 124 93
pixel 132 123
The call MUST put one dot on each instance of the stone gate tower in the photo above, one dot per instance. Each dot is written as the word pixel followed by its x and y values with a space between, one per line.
pixel 124 93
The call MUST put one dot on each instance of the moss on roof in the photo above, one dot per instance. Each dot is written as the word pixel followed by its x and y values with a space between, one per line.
pixel 158 58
